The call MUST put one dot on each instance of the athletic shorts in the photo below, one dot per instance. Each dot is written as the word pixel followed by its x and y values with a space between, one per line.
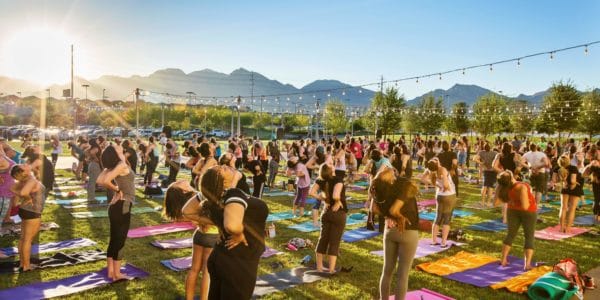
pixel 28 215
pixel 489 179
pixel 208 240
pixel 538 181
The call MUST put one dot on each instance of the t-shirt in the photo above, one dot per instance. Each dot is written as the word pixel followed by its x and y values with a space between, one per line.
pixel 446 159
pixel 356 150
pixel 331 184
pixel 487 159
pixel 302 181
pixel 536 160
pixel 514 198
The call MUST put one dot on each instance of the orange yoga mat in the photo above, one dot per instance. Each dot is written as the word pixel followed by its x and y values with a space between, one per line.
pixel 520 283
pixel 459 262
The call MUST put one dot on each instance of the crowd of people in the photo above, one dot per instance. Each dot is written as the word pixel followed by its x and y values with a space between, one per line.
pixel 231 216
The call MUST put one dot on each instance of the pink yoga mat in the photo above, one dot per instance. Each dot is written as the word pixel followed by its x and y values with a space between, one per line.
pixel 553 233
pixel 425 203
pixel 160 229
pixel 424 248
pixel 424 294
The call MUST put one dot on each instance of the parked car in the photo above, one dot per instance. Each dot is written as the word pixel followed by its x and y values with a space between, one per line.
pixel 219 133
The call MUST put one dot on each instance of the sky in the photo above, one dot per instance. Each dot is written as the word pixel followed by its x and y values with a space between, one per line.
pixel 297 42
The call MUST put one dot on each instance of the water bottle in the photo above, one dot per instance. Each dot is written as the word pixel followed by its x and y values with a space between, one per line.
pixel 272 232
pixel 305 260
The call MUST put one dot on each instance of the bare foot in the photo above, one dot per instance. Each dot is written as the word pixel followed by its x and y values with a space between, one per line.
pixel 504 263
pixel 527 268
pixel 120 276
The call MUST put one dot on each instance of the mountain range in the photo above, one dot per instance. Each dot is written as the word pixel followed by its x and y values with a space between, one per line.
pixel 207 83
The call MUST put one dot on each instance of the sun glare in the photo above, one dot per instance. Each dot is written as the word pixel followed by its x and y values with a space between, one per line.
pixel 38 55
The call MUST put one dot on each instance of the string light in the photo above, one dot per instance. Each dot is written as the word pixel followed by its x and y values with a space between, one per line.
pixel 551 55
pixel 585 50
pixel 463 71
pixel 417 79
pixel 440 76
pixel 491 68
pixel 518 62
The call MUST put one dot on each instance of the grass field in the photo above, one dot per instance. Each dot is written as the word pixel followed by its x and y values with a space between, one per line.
pixel 361 283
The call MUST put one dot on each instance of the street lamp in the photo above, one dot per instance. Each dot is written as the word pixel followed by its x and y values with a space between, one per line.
pixel 317 119
pixel 205 121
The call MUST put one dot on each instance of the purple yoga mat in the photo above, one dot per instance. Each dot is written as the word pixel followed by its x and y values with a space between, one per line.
pixel 490 274
pixel 174 243
pixel 67 286
pixel 424 294
pixel 160 229
pixel 424 248
pixel 50 247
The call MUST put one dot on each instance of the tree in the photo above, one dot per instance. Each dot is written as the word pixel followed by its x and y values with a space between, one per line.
pixel 385 110
pixel 522 118
pixel 589 118
pixel 561 106
pixel 430 114
pixel 261 120
pixel 458 121
pixel 489 115
pixel 335 119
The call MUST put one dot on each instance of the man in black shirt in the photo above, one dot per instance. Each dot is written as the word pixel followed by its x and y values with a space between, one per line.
pixel 449 160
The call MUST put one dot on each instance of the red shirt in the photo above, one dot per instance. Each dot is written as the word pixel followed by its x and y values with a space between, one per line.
pixel 514 197
pixel 356 150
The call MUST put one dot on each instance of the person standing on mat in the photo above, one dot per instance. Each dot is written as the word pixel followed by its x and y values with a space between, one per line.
pixel 56 149
pixel 117 178
pixel 241 219
pixel 592 170
pixel 302 183
pixel 330 189
pixel 571 192
pixel 507 160
pixel 395 198
pixel 92 156
pixel 6 182
pixel 31 194
pixel 522 210
pixel 449 160
pixel 485 158
pixel 537 162
pixel 445 194
pixel 376 162
pixel 256 167
pixel 183 203
pixel 152 155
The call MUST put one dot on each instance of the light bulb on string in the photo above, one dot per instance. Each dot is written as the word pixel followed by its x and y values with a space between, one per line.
pixel 551 55
pixel 344 93
pixel 518 62
pixel 463 71
pixel 585 50
pixel 440 74
pixel 491 68
pixel 360 91
pixel 417 79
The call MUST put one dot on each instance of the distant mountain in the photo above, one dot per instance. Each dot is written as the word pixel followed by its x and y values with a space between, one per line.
pixel 457 93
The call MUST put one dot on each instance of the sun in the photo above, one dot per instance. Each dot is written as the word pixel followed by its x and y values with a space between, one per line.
pixel 39 55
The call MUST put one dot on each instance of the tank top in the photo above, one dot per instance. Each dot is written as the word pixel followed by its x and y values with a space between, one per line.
pixel 6 181
pixel 38 200
pixel 126 185
pixel 439 184
pixel 515 201
pixel 155 152
pixel 340 163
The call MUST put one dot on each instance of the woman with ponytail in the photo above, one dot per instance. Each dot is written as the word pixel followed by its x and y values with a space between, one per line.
pixel 439 176
pixel 521 210
pixel 571 192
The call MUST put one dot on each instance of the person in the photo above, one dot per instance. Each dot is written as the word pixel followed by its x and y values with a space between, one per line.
pixel 227 161
pixel 56 149
pixel 273 152
pixel 32 196
pixel 256 167
pixel 537 163
pixel 448 159
pixel 445 191
pixel 375 163
pixel 117 178
pixel 205 162
pixel 41 166
pixel 461 149
pixel 172 159
pixel 592 170
pixel 78 152
pixel 395 198
pixel 330 189
pixel 356 149
pixel 6 182
pixel 241 219
pixel 402 161
pixel 130 155
pixel 339 159
pixel 571 192
pixel 509 160
pixel 93 156
pixel 152 155
pixel 183 203
pixel 522 210
pixel 485 158
pixel 296 167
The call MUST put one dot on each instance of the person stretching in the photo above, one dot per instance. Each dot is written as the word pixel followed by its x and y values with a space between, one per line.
pixel 119 210
pixel 302 183
pixel 445 198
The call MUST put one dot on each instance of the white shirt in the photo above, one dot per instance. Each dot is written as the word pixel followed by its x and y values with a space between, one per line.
pixel 536 160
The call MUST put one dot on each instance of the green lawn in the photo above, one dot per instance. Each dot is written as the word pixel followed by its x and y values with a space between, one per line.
pixel 361 283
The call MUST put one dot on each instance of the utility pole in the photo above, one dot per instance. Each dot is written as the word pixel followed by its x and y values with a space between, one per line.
pixel 137 113
pixel 317 120
pixel 162 115
pixel 73 92
pixel 103 94
pixel 239 128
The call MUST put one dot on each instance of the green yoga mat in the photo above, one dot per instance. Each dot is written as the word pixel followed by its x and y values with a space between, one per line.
pixel 551 286
pixel 104 213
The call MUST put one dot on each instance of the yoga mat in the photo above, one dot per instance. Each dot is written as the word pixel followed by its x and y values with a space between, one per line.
pixel 424 294
pixel 50 247
pixel 184 263
pixel 585 202
pixel 425 203
pixel 57 260
pixel 361 183
pixel 104 213
pixel 270 252
pixel 16 228
pixel 160 229
pixel 477 205
pixel 359 234
pixel 357 205
pixel 519 284
pixel 494 225
pixel 357 188
pixel 75 201
pixel 278 193
pixel 544 209
pixel 551 286
pixel 457 213
pixel 491 273
pixel 587 220
pixel 67 286
pixel 270 283
pixel 174 243
pixel 553 234
pixel 272 217
pixel 85 205
pixel 424 248
pixel 459 262
pixel 310 201
pixel 305 227
pixel 595 293
pixel 70 194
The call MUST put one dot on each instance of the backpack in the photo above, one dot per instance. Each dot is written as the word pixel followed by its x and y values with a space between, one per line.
pixel 153 190
pixel 568 269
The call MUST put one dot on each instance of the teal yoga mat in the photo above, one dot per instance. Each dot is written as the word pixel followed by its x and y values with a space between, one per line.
pixel 282 216
pixel 307 226
pixel 585 202
pixel 75 201
pixel 551 286
pixel 104 213
pixel 457 214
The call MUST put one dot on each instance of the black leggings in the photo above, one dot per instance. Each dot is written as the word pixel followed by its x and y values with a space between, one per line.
pixel 150 169
pixel 119 215
pixel 231 277
pixel 259 184
pixel 332 228
pixel 173 171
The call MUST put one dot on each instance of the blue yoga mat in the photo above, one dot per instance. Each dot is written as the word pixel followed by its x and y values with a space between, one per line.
pixel 51 247
pixel 361 183
pixel 587 220
pixel 494 225
pixel 278 193
pixel 585 202
pixel 457 214
pixel 280 216
pixel 67 286
pixel 544 209
pixel 311 201
pixel 359 234
pixel 75 201
pixel 305 227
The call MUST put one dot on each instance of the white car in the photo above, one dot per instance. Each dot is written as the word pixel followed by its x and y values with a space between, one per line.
pixel 219 133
